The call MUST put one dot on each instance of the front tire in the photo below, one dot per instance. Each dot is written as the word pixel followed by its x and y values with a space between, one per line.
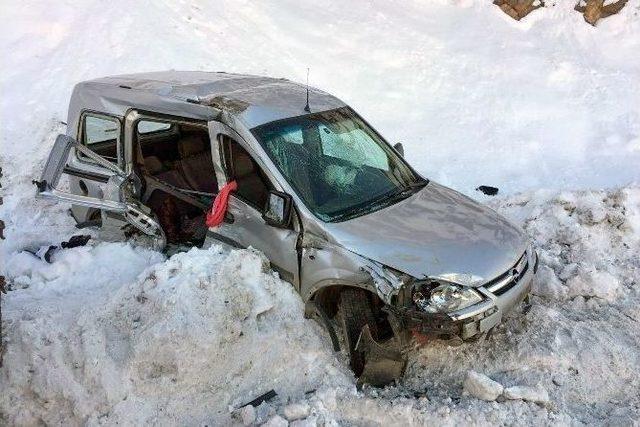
pixel 356 312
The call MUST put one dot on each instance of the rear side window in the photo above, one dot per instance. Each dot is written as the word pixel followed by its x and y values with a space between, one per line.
pixel 98 129
pixel 101 134
pixel 146 126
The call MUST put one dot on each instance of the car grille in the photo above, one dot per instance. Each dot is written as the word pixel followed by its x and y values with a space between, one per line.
pixel 510 278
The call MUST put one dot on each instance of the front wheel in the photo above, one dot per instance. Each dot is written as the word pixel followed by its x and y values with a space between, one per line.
pixel 355 312
pixel 375 356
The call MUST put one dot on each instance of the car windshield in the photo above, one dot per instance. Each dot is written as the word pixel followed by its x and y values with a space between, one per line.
pixel 338 165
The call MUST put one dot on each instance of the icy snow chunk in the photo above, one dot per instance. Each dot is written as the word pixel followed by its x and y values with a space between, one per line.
pixel 296 411
pixel 276 421
pixel 546 284
pixel 248 415
pixel 591 210
pixel 307 422
pixel 568 271
pixel 532 394
pixel 263 412
pixel 599 284
pixel 481 386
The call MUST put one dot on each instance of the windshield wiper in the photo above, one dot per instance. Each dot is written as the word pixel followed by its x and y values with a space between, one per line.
pixel 385 199
pixel 415 185
pixel 365 206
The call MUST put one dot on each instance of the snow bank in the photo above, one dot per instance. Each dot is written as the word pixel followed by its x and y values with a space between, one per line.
pixel 586 240
pixel 110 333
pixel 195 336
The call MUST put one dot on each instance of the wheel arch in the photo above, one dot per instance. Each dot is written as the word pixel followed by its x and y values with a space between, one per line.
pixel 327 297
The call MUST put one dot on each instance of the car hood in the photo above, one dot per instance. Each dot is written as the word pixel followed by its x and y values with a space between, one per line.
pixel 434 232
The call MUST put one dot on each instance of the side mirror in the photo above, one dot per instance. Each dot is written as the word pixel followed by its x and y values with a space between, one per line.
pixel 277 211
pixel 399 148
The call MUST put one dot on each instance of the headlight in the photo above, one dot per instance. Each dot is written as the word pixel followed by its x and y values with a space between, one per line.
pixel 437 297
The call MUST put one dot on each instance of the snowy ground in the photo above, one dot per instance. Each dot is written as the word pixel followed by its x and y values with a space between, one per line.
pixel 110 333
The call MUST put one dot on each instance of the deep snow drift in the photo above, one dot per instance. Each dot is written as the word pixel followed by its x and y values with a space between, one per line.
pixel 193 335
pixel 112 333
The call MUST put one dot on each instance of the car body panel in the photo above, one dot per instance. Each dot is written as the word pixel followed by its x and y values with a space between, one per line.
pixel 434 232
pixel 327 264
pixel 254 100
pixel 246 228
pixel 114 193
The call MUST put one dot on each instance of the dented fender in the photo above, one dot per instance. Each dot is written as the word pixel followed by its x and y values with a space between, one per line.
pixel 325 264
pixel 387 283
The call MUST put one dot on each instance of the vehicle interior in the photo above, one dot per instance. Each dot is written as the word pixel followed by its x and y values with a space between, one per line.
pixel 253 184
pixel 179 181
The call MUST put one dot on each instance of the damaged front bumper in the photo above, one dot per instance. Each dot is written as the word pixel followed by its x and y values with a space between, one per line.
pixel 500 296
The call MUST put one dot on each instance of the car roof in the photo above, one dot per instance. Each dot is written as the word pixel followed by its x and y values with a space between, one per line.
pixel 254 100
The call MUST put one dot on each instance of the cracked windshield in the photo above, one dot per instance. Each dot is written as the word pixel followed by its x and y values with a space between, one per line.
pixel 337 164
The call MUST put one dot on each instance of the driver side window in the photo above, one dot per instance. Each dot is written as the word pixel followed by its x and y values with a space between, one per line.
pixel 253 184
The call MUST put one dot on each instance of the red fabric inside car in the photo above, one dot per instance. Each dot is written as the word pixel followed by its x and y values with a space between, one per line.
pixel 219 208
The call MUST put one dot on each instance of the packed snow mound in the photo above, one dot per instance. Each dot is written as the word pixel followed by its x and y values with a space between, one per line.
pixel 111 333
pixel 588 242
pixel 77 268
pixel 198 334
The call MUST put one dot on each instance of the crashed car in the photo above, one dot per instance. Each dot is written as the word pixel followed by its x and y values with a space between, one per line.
pixel 378 253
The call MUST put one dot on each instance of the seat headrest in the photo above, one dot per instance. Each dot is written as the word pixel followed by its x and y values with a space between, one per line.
pixel 191 145
pixel 153 165
pixel 242 164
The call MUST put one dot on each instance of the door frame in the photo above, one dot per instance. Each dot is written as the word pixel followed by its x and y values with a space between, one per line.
pixel 131 119
pixel 216 130
pixel 117 196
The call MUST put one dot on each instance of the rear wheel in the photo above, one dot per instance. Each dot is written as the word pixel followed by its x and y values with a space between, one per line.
pixel 355 312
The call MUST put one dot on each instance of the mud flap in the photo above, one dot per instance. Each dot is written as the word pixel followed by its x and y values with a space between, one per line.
pixel 384 362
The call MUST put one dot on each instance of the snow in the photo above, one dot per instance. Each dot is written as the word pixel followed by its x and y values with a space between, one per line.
pixel 296 411
pixel 532 394
pixel 546 109
pixel 276 421
pixel 247 415
pixel 209 329
pixel 481 387
pixel 129 337
pixel 546 102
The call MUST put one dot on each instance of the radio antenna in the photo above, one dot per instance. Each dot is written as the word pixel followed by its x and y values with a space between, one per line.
pixel 306 107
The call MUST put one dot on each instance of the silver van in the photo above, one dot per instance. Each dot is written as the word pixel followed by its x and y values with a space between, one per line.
pixel 378 253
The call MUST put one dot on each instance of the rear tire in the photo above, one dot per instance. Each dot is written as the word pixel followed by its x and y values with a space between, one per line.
pixel 355 312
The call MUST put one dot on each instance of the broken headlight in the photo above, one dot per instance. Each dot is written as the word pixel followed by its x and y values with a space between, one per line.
pixel 442 297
